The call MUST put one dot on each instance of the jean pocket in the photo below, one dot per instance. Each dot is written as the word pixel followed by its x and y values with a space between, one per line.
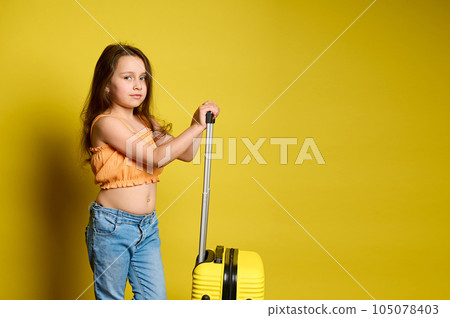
pixel 104 223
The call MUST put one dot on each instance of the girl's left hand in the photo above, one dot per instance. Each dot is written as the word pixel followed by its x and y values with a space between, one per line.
pixel 200 115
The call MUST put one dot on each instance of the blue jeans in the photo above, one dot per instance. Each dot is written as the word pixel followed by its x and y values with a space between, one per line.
pixel 123 245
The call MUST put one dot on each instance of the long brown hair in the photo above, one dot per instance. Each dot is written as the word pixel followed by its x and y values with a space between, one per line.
pixel 98 100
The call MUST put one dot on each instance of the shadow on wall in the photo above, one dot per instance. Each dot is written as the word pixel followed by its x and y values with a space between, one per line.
pixel 64 193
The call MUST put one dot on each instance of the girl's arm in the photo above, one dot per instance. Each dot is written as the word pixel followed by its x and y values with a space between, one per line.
pixel 191 151
pixel 182 146
pixel 112 131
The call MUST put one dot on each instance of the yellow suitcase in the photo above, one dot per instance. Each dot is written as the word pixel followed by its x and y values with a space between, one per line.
pixel 235 275
pixel 223 273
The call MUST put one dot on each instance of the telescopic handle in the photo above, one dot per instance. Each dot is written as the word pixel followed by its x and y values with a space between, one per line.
pixel 206 180
pixel 209 118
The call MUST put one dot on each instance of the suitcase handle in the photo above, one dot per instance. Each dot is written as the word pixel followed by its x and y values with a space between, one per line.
pixel 209 118
pixel 206 180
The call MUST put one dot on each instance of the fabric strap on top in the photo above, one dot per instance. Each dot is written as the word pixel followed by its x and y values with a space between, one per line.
pixel 105 115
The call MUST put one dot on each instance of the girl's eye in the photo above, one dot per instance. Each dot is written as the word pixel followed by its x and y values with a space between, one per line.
pixel 143 78
pixel 127 77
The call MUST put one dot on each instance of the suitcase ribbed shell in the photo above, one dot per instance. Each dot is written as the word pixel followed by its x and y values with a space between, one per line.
pixel 250 276
pixel 207 278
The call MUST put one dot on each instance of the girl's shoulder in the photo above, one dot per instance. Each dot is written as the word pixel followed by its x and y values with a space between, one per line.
pixel 137 123
pixel 110 120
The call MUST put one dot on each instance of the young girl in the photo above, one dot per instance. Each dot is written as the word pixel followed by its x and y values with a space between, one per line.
pixel 128 149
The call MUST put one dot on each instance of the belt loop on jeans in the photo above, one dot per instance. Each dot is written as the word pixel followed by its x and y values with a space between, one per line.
pixel 153 218
pixel 90 206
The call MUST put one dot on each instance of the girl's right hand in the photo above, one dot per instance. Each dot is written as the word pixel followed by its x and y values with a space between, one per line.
pixel 199 117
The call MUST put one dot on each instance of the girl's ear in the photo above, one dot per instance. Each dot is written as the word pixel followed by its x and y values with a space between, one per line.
pixel 107 89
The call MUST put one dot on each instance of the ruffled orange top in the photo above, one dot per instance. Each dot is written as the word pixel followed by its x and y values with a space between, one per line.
pixel 114 170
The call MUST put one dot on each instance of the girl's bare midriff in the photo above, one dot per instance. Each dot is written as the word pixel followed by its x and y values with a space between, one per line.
pixel 138 199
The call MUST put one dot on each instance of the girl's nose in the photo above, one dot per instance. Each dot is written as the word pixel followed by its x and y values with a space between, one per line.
pixel 137 84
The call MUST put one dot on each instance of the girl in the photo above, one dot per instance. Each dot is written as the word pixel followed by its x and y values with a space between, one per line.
pixel 128 149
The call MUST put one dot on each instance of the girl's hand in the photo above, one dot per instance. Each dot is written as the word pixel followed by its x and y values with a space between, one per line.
pixel 199 117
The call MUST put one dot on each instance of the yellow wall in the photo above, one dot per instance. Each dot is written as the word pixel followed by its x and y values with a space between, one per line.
pixel 376 104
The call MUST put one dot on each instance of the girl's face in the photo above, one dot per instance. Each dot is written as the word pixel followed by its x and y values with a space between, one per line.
pixel 127 87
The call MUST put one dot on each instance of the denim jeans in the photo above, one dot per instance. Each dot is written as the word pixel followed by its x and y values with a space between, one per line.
pixel 123 245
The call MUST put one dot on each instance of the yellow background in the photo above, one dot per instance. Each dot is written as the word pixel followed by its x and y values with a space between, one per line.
pixel 376 103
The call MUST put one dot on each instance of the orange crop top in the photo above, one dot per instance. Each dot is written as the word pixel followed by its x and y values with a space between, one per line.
pixel 114 170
